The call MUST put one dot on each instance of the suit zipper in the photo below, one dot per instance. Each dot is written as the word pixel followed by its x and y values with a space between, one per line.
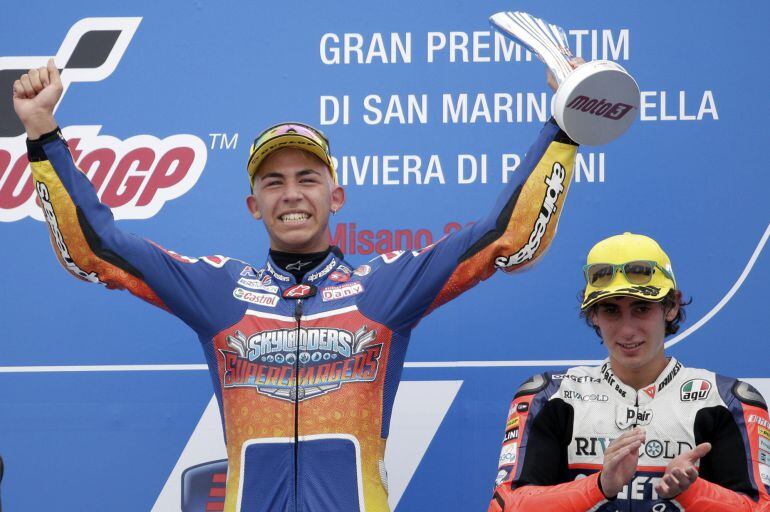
pixel 298 318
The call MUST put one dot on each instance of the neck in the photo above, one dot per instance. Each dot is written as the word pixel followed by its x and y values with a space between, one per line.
pixel 298 264
pixel 639 378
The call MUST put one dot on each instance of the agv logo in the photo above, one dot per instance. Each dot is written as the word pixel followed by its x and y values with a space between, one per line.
pixel 136 176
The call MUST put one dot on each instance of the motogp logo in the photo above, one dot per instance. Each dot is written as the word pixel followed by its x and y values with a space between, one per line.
pixel 134 177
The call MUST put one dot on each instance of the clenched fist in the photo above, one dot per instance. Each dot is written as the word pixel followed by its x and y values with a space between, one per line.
pixel 35 95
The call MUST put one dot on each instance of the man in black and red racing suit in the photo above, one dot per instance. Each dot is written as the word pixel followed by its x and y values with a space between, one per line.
pixel 641 432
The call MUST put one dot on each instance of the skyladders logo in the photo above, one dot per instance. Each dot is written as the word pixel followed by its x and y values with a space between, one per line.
pixel 135 177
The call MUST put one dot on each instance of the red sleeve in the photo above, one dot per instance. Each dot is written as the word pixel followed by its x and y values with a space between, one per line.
pixel 532 465
pixel 703 495
pixel 576 496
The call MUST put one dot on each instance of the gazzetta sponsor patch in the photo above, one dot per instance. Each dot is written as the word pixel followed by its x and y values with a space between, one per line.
pixel 261 299
pixel 341 292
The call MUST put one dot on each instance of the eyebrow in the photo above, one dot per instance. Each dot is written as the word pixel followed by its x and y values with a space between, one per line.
pixel 276 174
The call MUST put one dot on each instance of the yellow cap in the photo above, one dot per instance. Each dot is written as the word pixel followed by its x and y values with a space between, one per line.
pixel 286 135
pixel 628 247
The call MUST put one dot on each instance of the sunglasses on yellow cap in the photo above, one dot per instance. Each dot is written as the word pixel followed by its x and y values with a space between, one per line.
pixel 283 135
pixel 600 275
pixel 299 128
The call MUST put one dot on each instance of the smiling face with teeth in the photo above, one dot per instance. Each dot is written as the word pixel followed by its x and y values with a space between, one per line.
pixel 633 331
pixel 294 195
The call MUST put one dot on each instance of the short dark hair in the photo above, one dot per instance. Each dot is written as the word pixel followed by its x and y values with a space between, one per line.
pixel 667 302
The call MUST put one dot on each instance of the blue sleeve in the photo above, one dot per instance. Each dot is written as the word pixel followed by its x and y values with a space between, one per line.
pixel 516 232
pixel 90 246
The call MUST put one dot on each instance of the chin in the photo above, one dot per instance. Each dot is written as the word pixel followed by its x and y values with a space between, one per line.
pixel 298 244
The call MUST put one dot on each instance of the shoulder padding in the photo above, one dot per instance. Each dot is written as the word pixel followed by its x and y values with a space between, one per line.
pixel 748 394
pixel 533 385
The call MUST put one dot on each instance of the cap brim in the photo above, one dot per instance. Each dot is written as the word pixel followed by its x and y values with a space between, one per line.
pixel 288 140
pixel 644 292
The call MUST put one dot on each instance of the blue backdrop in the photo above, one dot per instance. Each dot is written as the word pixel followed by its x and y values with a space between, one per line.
pixel 103 398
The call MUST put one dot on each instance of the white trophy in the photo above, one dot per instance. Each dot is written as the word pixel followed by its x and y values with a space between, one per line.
pixel 594 103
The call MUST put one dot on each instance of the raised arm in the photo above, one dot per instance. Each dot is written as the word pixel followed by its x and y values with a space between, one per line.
pixel 83 233
pixel 514 234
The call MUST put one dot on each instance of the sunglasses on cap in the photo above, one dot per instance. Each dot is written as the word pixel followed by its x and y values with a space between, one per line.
pixel 600 275
pixel 308 131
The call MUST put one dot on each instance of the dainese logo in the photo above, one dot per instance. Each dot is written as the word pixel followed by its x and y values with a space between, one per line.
pixel 135 177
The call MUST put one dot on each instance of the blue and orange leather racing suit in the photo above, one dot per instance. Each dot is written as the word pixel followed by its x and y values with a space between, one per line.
pixel 305 373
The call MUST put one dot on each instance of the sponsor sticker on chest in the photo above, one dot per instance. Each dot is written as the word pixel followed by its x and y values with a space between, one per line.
pixel 341 292
pixel 508 454
pixel 764 473
pixel 694 389
pixel 258 284
pixel 260 299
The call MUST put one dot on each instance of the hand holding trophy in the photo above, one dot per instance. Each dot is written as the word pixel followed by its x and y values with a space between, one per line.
pixel 594 103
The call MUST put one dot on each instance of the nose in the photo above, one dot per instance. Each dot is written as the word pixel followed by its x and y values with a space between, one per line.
pixel 627 328
pixel 291 192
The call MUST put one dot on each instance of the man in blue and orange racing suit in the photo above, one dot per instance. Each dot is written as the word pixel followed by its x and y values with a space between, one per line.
pixel 305 350
pixel 641 432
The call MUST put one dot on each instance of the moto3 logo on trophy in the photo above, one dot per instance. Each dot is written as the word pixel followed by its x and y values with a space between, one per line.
pixel 593 101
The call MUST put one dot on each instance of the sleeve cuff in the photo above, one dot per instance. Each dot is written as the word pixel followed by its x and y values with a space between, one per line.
pixel 35 150
pixel 691 493
pixel 599 485
pixel 562 136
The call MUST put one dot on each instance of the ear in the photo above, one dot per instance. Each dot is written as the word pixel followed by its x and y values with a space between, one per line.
pixel 251 204
pixel 671 313
pixel 338 198
pixel 592 315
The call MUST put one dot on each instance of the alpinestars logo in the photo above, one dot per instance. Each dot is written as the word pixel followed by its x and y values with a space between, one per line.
pixel 328 358
pixel 61 245
pixel 555 184
pixel 135 177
